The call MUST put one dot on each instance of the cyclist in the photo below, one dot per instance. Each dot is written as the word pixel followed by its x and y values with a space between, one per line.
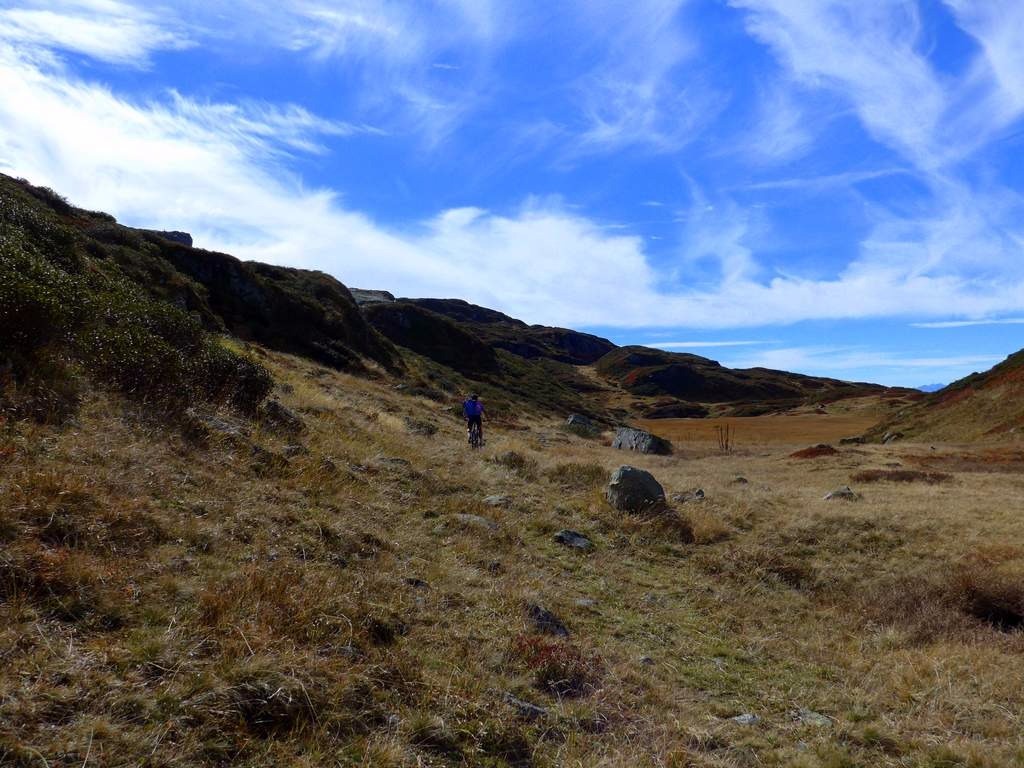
pixel 473 410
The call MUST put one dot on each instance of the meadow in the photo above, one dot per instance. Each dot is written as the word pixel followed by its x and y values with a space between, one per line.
pixel 363 590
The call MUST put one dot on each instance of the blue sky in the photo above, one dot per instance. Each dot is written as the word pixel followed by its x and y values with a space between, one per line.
pixel 828 186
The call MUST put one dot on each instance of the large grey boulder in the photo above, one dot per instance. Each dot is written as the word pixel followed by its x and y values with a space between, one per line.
pixel 638 440
pixel 634 490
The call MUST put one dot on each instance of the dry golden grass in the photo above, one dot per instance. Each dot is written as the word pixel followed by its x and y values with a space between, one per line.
pixel 165 604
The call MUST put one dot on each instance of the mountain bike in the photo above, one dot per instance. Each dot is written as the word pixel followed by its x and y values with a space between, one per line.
pixel 476 440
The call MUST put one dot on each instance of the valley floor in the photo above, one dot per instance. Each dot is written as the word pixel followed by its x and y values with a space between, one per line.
pixel 351 596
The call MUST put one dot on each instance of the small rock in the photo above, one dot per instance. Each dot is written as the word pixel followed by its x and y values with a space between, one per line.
pixel 545 622
pixel 525 709
pixel 585 602
pixel 855 440
pixel 573 539
pixel 891 437
pixel 846 493
pixel 579 420
pixel 494 567
pixel 740 480
pixel 634 490
pixel 810 717
pixel 499 500
pixel 416 583
pixel 646 661
pixel 291 451
pixel 281 419
pixel 746 719
pixel 688 496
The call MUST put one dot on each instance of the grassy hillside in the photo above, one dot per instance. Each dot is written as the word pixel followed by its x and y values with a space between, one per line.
pixel 982 406
pixel 653 373
pixel 346 596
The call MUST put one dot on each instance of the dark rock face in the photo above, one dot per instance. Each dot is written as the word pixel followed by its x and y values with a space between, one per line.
pixel 634 490
pixel 638 440
pixel 499 331
pixel 293 310
pixel 182 238
pixel 431 335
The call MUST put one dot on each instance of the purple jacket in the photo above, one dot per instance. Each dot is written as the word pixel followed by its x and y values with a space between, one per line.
pixel 472 408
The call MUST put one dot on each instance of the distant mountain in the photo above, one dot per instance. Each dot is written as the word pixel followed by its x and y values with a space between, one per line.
pixel 930 387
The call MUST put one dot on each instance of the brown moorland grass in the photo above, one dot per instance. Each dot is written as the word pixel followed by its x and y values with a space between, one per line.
pixel 357 603
pixel 762 431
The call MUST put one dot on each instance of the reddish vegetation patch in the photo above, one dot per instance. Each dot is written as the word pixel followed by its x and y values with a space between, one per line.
pixel 558 667
pixel 900 476
pixel 814 452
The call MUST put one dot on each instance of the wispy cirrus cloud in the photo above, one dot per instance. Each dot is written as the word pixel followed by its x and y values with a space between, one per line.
pixel 969 323
pixel 107 30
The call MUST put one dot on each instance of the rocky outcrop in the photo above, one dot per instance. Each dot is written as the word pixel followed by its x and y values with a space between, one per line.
pixel 366 296
pixel 634 490
pixel 629 439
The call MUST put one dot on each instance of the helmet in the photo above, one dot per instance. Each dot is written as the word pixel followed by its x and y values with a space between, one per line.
pixel 474 397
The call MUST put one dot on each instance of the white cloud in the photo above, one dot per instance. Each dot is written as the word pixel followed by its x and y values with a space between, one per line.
pixel 219 171
pixel 107 30
pixel 969 323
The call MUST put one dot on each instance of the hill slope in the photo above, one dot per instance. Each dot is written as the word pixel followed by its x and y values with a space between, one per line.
pixel 988 405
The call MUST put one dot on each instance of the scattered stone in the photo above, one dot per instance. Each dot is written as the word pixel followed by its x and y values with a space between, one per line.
pixel 477 521
pixel 634 490
pixel 646 661
pixel 810 717
pixel 291 451
pixel 499 500
pixel 846 493
pixel 573 539
pixel 494 567
pixel 416 583
pixel 740 480
pixel 202 425
pixel 327 466
pixel 585 602
pixel 855 440
pixel 525 709
pixel 266 462
pixel 891 437
pixel 580 421
pixel 746 719
pixel 281 419
pixel 545 622
pixel 629 439
pixel 688 496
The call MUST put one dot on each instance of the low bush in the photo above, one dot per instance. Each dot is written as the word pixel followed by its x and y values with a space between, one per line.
pixel 558 667
pixel 515 462
pixel 61 315
pixel 990 586
pixel 900 476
